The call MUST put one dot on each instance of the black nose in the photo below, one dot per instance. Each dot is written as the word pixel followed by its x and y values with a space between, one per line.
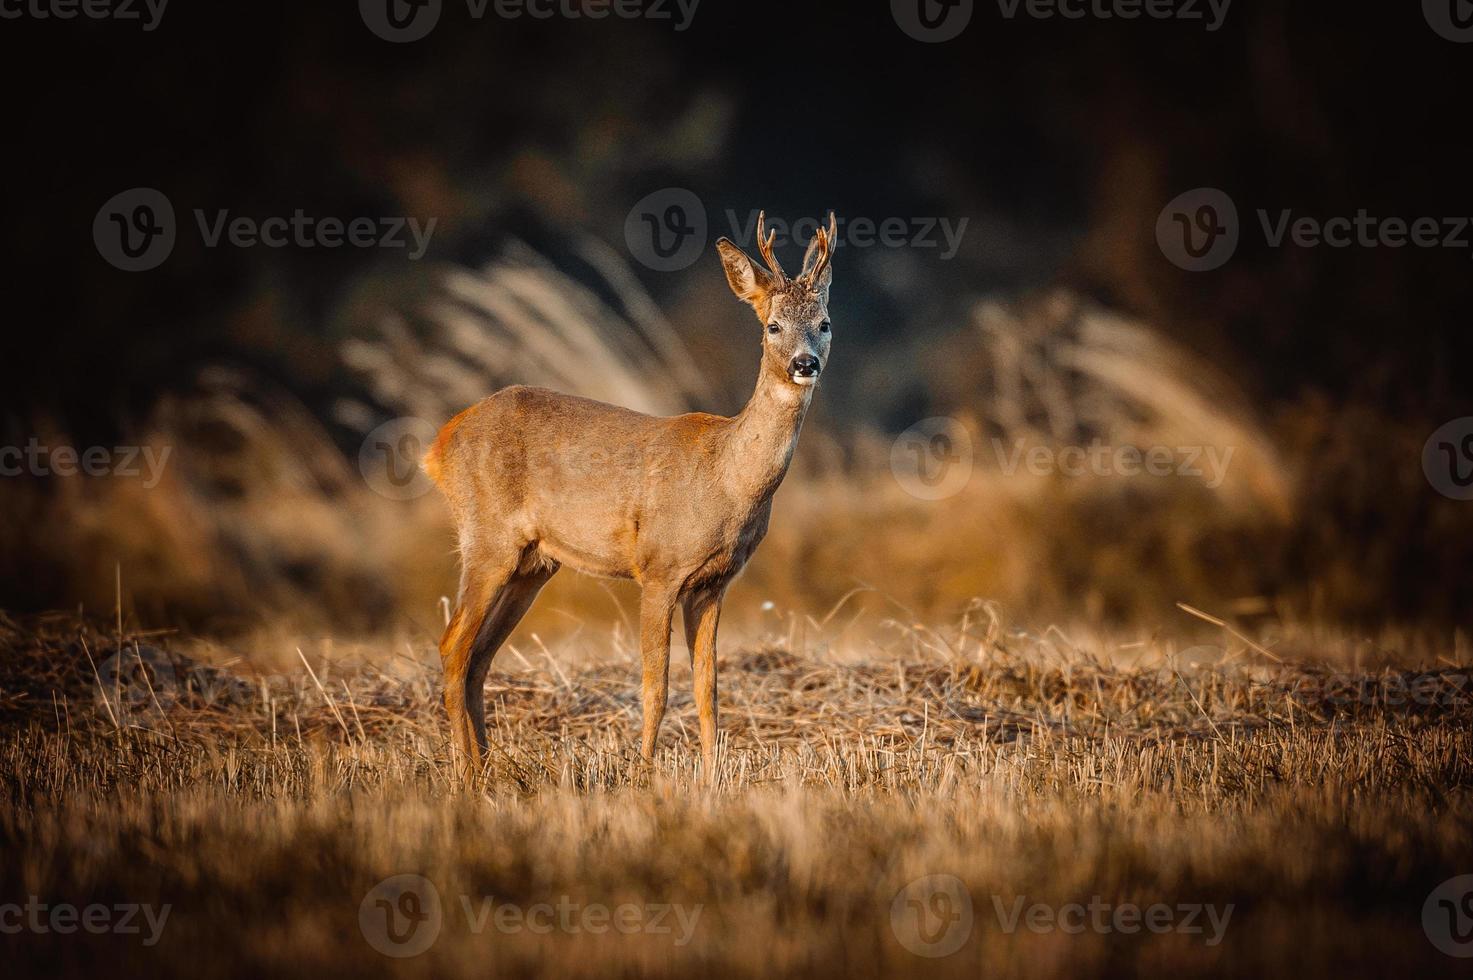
pixel 805 366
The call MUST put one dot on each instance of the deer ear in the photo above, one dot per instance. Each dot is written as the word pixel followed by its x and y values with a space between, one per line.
pixel 750 282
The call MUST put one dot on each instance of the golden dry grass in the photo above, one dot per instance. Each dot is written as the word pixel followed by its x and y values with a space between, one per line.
pixel 1322 798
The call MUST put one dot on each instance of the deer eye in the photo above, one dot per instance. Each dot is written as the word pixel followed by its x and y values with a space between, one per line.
pixel 824 327
pixel 773 328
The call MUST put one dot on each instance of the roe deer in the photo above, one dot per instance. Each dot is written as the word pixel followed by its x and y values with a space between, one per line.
pixel 538 480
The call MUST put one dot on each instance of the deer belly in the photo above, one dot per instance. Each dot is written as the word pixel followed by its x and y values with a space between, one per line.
pixel 589 544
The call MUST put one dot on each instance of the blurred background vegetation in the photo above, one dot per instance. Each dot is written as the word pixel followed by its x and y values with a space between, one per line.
pixel 1058 322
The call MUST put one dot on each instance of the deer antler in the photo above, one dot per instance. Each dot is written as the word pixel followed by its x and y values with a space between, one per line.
pixel 826 239
pixel 764 245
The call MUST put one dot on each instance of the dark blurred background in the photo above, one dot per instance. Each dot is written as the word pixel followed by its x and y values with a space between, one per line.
pixel 529 141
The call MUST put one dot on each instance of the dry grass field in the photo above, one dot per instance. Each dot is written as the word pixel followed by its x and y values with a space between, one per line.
pixel 241 767
pixel 1094 805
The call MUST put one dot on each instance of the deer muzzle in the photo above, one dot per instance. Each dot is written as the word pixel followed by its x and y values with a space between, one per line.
pixel 805 369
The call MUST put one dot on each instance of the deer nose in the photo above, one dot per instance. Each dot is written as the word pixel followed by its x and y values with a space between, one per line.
pixel 805 366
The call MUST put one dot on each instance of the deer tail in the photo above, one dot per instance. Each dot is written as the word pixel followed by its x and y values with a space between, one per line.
pixel 434 460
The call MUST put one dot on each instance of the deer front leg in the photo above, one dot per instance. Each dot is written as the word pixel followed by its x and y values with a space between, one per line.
pixel 702 613
pixel 656 611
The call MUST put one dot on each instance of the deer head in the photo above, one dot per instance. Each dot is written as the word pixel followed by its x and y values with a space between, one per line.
pixel 794 312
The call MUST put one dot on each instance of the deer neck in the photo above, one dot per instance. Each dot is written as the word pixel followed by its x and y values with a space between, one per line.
pixel 764 434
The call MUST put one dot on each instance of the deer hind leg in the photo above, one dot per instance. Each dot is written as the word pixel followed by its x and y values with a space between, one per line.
pixel 455 658
pixel 506 610
pixel 702 612
pixel 483 577
pixel 656 613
